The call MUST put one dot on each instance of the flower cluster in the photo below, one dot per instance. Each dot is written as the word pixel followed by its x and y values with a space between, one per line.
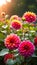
pixel 19 35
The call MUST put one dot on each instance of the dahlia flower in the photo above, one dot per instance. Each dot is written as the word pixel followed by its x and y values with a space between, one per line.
pixel 12 41
pixel 14 17
pixel 16 24
pixel 35 41
pixel 26 48
pixel 9 56
pixel 3 14
pixel 29 17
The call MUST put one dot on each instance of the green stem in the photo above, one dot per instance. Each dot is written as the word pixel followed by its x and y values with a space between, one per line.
pixel 25 61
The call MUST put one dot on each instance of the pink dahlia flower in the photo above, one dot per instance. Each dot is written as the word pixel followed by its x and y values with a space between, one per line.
pixel 14 17
pixel 9 56
pixel 26 48
pixel 35 41
pixel 29 17
pixel 12 41
pixel 16 24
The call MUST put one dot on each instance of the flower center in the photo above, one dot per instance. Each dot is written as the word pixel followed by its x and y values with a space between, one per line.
pixel 26 47
pixel 11 41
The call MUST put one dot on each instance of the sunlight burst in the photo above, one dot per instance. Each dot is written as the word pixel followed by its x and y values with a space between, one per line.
pixel 8 0
pixel 2 2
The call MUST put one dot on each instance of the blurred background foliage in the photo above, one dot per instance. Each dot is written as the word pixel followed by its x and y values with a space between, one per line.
pixel 19 7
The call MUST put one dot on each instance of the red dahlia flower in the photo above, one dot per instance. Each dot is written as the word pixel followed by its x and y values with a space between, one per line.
pixel 16 24
pixel 8 56
pixel 35 41
pixel 26 48
pixel 30 17
pixel 12 41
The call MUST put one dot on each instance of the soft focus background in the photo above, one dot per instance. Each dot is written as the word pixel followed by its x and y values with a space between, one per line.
pixel 19 7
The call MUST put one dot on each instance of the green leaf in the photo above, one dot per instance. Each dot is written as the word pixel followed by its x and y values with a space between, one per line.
pixel 19 59
pixel 3 52
pixel 2 36
pixel 4 26
pixel 26 25
pixel 34 56
pixel 10 62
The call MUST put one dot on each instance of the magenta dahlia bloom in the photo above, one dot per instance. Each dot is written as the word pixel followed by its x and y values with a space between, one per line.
pixel 16 24
pixel 12 41
pixel 26 48
pixel 29 17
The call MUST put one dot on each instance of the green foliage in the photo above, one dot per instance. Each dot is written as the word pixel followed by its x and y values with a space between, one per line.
pixel 3 52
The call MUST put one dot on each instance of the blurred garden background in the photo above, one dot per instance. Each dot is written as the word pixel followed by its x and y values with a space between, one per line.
pixel 18 7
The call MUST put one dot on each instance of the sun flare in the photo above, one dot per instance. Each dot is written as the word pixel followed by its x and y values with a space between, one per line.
pixel 8 0
pixel 2 2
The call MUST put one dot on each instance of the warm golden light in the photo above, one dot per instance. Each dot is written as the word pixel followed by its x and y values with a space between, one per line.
pixel 2 2
pixel 8 0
